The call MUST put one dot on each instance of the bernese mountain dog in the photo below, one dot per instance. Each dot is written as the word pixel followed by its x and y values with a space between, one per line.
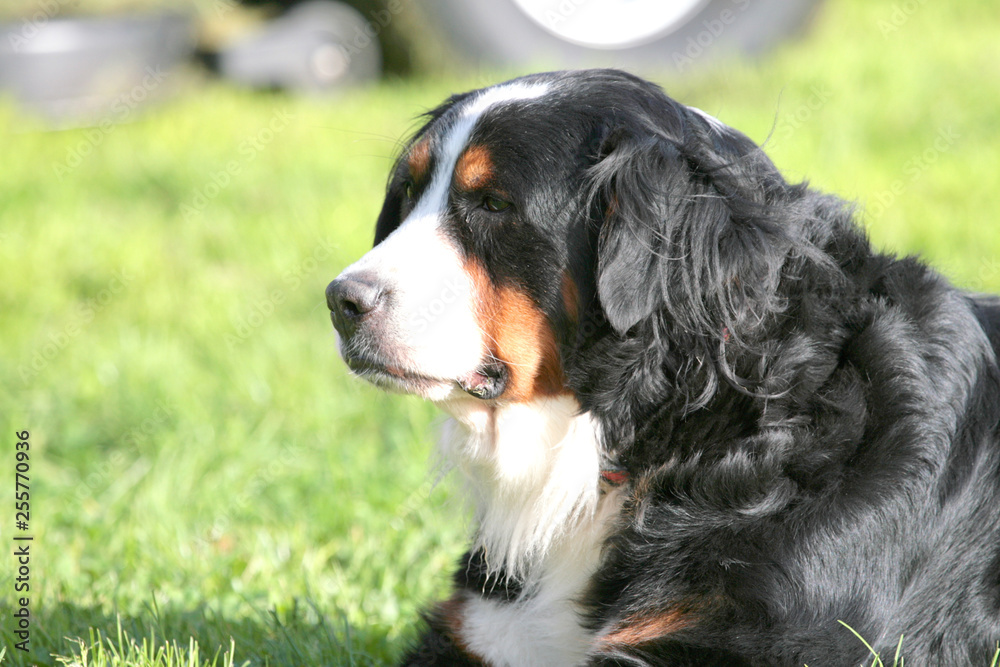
pixel 700 420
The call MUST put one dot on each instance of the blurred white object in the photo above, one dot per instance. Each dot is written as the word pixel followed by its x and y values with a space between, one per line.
pixel 610 24
pixel 640 34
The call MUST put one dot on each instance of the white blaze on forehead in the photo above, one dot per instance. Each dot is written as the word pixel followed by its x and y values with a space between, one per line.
pixel 435 199
pixel 432 328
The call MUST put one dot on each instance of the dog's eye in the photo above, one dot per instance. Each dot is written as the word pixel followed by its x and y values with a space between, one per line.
pixel 409 190
pixel 495 205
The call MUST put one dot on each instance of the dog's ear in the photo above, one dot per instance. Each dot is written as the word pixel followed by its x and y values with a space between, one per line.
pixel 690 226
pixel 632 204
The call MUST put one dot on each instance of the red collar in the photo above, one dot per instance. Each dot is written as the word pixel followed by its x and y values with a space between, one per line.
pixel 615 476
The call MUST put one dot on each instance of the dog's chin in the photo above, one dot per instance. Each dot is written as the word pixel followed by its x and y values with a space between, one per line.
pixel 400 380
pixel 485 383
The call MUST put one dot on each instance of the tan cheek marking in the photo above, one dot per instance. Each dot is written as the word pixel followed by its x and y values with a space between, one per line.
pixel 641 630
pixel 525 341
pixel 518 334
pixel 419 160
pixel 474 168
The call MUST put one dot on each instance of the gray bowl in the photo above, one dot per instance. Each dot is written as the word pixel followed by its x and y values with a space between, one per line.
pixel 92 70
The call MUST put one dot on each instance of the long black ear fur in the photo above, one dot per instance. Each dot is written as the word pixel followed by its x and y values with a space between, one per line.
pixel 691 229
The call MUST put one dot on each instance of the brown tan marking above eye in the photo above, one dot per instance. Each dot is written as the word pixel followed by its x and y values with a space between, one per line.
pixel 519 334
pixel 474 168
pixel 419 160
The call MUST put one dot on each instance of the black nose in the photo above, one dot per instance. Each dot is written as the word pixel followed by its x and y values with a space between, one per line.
pixel 351 299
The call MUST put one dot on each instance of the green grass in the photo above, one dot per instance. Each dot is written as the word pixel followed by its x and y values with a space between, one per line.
pixel 898 657
pixel 208 486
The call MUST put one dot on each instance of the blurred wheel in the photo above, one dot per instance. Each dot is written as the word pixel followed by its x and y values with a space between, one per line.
pixel 647 34
pixel 317 47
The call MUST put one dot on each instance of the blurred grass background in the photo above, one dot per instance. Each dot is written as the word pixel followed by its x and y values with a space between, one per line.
pixel 205 476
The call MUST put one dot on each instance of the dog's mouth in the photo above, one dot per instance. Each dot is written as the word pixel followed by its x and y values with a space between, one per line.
pixel 486 382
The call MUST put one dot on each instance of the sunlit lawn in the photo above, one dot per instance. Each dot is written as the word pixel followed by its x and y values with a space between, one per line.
pixel 205 477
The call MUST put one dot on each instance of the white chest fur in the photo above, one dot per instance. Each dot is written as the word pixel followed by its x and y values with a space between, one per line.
pixel 532 472
pixel 543 627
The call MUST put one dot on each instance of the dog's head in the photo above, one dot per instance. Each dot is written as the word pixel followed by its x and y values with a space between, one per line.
pixel 535 225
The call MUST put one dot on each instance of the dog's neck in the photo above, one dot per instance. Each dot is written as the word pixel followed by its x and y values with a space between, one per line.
pixel 532 471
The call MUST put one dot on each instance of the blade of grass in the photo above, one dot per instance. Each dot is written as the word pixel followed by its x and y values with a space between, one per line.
pixel 878 660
